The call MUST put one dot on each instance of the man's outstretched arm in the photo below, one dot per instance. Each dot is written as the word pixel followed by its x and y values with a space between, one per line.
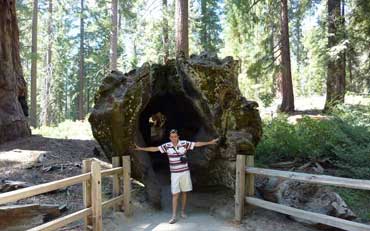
pixel 147 149
pixel 200 144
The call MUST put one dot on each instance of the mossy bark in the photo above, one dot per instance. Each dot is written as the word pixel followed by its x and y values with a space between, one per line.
pixel 199 96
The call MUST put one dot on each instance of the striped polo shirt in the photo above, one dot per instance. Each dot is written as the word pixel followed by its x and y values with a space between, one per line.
pixel 174 154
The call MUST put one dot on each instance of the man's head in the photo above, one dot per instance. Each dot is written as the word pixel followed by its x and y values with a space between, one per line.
pixel 174 136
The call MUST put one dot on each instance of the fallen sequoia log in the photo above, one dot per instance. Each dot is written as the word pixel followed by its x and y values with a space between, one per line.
pixel 22 217
pixel 199 97
pixel 305 196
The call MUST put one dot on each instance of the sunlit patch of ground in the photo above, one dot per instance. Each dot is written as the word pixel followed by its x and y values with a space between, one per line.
pixel 20 157
pixel 211 210
pixel 68 129
pixel 312 103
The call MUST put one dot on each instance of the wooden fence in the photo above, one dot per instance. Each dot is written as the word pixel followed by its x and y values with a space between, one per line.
pixel 244 192
pixel 92 193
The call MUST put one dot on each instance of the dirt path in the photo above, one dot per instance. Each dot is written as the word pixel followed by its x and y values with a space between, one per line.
pixel 208 209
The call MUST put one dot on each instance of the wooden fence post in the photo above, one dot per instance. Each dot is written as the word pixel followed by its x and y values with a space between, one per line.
pixel 250 177
pixel 86 189
pixel 239 187
pixel 96 196
pixel 126 164
pixel 116 181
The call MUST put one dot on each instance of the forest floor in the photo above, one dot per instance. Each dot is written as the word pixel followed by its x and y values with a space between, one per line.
pixel 312 105
pixel 40 159
pixel 207 209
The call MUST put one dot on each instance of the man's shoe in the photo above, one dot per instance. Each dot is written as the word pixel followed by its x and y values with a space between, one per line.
pixel 173 220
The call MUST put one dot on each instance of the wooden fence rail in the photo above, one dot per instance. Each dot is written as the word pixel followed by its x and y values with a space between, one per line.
pixel 92 193
pixel 244 192
pixel 313 178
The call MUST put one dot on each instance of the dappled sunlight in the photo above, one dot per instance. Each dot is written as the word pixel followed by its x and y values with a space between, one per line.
pixel 17 157
pixel 68 129
pixel 158 221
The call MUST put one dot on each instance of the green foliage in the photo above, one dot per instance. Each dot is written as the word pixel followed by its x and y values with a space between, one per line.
pixel 279 141
pixel 251 35
pixel 357 200
pixel 340 138
pixel 358 35
pixel 206 25
pixel 249 30
pixel 267 98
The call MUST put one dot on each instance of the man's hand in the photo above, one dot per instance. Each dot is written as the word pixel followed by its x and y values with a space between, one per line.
pixel 147 149
pixel 214 141
pixel 137 148
pixel 200 144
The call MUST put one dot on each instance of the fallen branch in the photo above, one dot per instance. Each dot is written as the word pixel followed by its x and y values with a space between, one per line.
pixel 9 185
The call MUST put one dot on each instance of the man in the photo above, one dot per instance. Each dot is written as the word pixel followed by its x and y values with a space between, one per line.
pixel 180 174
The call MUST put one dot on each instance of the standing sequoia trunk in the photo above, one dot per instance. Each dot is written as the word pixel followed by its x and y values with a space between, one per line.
pixel 287 104
pixel 46 116
pixel 182 27
pixel 80 103
pixel 203 31
pixel 335 82
pixel 13 89
pixel 165 31
pixel 198 96
pixel 113 45
pixel 34 66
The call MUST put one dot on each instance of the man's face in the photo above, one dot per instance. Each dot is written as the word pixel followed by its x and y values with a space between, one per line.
pixel 174 137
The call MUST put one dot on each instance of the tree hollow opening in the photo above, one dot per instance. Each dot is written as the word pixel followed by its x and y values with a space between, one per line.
pixel 163 113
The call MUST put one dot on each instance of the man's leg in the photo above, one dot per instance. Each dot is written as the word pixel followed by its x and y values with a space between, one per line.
pixel 175 198
pixel 183 205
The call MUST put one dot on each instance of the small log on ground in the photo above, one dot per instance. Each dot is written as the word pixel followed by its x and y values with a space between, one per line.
pixel 22 217
pixel 9 185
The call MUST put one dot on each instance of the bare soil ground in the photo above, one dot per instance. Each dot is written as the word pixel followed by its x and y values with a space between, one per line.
pixel 28 159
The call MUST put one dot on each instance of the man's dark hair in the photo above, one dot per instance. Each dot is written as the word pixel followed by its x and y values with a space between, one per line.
pixel 174 131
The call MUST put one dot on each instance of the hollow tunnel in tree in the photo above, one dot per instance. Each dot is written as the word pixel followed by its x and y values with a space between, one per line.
pixel 163 113
pixel 199 97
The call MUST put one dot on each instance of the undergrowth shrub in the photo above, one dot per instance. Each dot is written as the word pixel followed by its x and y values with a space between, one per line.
pixel 344 138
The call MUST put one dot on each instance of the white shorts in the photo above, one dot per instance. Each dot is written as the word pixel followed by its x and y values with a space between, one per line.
pixel 181 182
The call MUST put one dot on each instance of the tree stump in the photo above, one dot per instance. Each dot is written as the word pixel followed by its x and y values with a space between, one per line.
pixel 199 97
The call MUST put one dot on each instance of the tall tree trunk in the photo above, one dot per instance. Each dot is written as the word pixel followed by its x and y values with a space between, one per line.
pixel 113 55
pixel 13 87
pixel 287 104
pixel 203 33
pixel 165 31
pixel 65 98
pixel 135 56
pixel 34 66
pixel 119 19
pixel 273 49
pixel 350 72
pixel 81 112
pixel 335 82
pixel 182 27
pixel 343 55
pixel 47 95
pixel 87 96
